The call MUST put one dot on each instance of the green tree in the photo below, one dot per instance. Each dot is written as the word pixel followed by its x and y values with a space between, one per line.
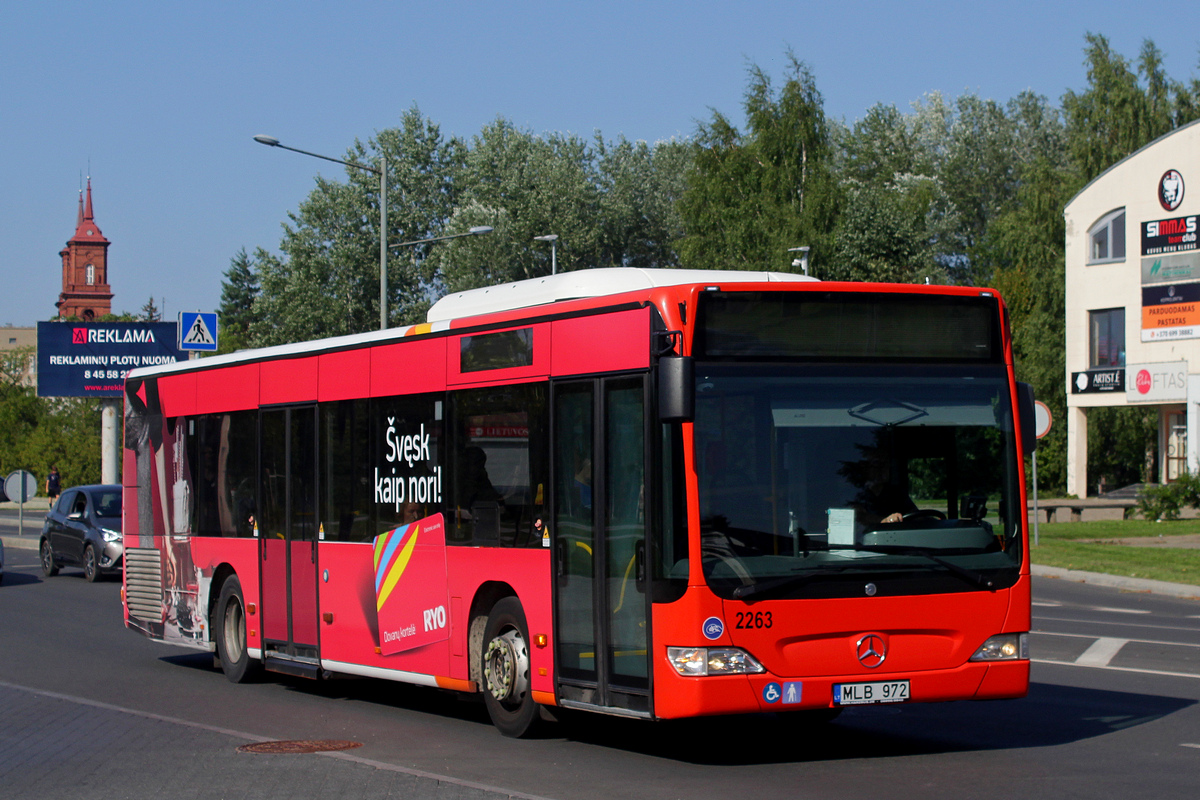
pixel 326 280
pixel 37 433
pixel 150 312
pixel 1026 244
pixel 639 187
pixel 533 186
pixel 611 204
pixel 751 196
pixel 239 291
pixel 1123 108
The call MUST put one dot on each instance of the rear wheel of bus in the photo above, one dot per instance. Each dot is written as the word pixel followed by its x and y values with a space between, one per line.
pixel 229 626
pixel 505 670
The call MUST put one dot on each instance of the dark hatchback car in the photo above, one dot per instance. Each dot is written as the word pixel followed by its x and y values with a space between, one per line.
pixel 83 529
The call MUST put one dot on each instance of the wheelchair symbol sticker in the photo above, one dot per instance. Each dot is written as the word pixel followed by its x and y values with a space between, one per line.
pixel 772 692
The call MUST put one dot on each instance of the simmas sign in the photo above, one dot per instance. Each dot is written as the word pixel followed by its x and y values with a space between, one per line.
pixel 91 359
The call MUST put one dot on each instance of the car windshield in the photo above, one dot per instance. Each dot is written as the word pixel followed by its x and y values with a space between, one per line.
pixel 814 481
pixel 107 503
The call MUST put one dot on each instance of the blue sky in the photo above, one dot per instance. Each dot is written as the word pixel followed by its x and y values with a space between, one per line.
pixel 162 99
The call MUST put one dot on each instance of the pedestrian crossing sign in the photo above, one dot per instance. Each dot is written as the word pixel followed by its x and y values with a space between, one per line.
pixel 197 331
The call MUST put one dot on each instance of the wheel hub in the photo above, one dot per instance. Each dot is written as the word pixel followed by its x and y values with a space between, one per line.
pixel 506 666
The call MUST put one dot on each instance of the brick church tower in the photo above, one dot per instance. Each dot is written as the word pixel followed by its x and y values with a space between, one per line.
pixel 85 290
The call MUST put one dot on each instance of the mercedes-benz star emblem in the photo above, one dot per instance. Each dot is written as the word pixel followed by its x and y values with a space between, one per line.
pixel 871 651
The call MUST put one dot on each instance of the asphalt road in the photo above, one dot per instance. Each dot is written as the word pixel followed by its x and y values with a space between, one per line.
pixel 92 710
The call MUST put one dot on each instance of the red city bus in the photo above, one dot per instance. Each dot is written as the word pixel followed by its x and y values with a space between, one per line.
pixel 649 493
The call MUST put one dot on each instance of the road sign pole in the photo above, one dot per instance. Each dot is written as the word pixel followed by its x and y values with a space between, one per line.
pixel 20 485
pixel 1035 503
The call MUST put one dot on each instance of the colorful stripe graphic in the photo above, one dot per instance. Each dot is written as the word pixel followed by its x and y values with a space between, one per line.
pixel 392 552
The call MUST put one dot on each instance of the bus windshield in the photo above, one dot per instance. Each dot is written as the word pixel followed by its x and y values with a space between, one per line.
pixel 828 481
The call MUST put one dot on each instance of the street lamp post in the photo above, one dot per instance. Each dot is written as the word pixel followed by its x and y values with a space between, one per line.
pixel 271 141
pixel 552 238
pixel 802 261
pixel 478 230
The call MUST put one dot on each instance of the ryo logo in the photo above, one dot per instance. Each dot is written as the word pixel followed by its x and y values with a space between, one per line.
pixel 79 336
pixel 435 618
pixel 1144 381
pixel 713 628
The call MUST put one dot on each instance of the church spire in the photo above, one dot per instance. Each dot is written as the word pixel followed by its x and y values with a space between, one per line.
pixel 86 229
pixel 86 293
pixel 87 213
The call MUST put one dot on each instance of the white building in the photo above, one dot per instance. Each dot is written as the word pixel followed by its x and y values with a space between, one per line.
pixel 1133 300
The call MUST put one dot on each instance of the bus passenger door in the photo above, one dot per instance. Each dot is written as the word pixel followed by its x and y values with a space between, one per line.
pixel 286 526
pixel 601 603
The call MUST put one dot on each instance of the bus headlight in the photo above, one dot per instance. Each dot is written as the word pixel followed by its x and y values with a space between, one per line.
pixel 697 661
pixel 1004 647
pixel 110 535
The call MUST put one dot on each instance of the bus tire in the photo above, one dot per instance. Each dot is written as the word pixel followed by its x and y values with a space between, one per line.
pixel 229 626
pixel 504 668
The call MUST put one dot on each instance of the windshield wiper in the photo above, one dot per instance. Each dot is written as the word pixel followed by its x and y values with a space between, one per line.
pixel 973 576
pixel 788 581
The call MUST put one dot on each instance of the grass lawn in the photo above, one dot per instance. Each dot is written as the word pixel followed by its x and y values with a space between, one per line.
pixel 1060 545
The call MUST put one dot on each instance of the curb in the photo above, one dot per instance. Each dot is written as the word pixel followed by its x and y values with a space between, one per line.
pixel 1119 582
pixel 27 542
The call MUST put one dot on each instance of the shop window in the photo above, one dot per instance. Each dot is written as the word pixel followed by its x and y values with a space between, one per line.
pixel 1106 239
pixel 1107 338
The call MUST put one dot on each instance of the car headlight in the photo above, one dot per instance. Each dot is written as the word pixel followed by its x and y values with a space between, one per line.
pixel 698 661
pixel 1004 647
pixel 110 535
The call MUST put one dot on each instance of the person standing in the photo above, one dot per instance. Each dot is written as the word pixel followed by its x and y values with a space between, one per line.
pixel 53 485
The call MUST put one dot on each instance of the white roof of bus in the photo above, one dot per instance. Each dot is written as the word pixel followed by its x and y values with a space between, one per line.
pixel 584 283
pixel 506 297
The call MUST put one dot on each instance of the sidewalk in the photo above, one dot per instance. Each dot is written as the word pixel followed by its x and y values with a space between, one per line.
pixel 35 514
pixel 36 505
pixel 1119 582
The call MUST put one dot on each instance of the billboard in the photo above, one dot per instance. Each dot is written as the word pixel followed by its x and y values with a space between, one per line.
pixel 91 359
pixel 1170 311
pixel 1162 382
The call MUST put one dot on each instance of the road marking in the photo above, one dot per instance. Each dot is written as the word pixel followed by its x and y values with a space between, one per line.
pixel 1096 654
pixel 1119 669
pixel 1093 636
pixel 1189 744
pixel 1101 652
pixel 1121 610
pixel 1078 621
pixel 1046 605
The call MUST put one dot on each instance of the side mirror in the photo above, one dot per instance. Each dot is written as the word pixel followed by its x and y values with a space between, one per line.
pixel 1028 424
pixel 676 388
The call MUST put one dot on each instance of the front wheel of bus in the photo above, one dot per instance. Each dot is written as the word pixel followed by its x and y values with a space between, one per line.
pixel 506 690
pixel 230 629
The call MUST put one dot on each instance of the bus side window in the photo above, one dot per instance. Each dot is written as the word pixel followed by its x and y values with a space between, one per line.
pixel 404 475
pixel 497 477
